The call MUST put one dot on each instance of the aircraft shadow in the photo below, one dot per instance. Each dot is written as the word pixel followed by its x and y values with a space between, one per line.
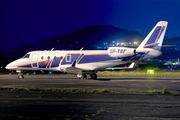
pixel 101 79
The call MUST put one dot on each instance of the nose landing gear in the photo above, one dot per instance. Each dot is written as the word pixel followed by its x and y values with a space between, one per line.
pixel 20 76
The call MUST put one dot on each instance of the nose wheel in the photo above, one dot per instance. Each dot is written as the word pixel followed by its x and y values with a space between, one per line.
pixel 20 76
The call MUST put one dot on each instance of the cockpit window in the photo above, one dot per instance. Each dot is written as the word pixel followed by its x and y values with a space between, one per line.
pixel 26 56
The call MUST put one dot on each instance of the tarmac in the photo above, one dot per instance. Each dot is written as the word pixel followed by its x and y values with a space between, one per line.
pixel 117 83
pixel 98 106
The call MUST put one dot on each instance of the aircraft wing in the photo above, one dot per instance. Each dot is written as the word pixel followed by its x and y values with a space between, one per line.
pixel 71 68
pixel 130 67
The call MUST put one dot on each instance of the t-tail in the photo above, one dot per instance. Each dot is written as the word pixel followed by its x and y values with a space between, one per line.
pixel 155 37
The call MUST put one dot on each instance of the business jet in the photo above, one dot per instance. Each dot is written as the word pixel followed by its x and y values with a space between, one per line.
pixel 91 61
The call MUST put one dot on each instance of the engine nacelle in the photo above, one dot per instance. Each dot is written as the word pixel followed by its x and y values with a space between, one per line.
pixel 119 52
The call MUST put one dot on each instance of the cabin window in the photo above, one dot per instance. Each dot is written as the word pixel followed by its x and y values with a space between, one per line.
pixel 61 57
pixel 48 57
pixel 55 57
pixel 42 58
pixel 68 58
pixel 26 56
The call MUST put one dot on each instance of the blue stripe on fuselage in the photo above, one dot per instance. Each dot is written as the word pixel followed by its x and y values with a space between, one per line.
pixel 135 57
pixel 55 62
pixel 95 58
pixel 42 64
pixel 73 58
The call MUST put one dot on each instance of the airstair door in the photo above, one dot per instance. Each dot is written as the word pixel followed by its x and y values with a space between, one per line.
pixel 34 60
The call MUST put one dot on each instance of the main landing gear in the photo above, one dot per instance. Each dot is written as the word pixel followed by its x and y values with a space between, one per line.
pixel 93 76
pixel 81 75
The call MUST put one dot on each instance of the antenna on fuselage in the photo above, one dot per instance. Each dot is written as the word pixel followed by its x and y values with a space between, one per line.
pixel 81 49
pixel 52 49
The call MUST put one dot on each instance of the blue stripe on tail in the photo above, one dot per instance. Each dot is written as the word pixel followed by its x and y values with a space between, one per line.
pixel 155 35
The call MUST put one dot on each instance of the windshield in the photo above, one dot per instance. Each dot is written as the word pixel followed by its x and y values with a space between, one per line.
pixel 26 56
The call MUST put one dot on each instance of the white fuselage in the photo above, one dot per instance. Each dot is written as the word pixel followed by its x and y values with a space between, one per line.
pixel 87 60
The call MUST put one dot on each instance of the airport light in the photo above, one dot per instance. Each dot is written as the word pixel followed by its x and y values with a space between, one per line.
pixel 135 43
pixel 173 63
pixel 122 44
pixel 151 72
pixel 50 72
pixel 34 73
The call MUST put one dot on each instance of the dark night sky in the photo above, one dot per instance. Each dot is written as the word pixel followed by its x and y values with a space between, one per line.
pixel 31 21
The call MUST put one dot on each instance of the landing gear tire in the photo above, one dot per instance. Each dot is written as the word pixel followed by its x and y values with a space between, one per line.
pixel 93 76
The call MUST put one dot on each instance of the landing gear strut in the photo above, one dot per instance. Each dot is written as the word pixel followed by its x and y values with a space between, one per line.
pixel 81 75
pixel 84 76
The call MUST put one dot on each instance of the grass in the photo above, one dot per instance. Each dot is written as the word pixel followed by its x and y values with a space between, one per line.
pixel 102 91
pixel 67 119
pixel 29 89
pixel 156 91
pixel 139 72
pixel 92 91
pixel 100 111
pixel 165 91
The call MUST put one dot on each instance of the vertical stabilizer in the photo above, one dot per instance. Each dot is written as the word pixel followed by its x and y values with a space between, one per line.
pixel 155 37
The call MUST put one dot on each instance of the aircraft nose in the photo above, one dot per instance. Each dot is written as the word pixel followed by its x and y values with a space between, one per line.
pixel 9 66
pixel 12 65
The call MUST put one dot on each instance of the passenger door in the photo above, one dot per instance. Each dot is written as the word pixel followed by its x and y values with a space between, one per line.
pixel 34 60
